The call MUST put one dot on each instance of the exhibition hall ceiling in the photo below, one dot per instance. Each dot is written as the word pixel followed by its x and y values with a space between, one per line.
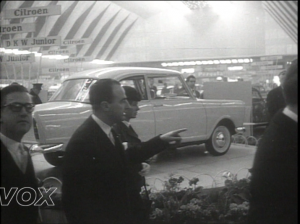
pixel 104 25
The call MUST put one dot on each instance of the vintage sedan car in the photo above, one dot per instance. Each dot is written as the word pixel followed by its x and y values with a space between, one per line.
pixel 212 122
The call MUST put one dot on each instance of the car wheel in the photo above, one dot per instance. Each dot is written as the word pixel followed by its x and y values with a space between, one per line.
pixel 54 158
pixel 219 142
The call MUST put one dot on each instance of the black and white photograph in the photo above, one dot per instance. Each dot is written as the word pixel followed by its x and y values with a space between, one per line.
pixel 149 112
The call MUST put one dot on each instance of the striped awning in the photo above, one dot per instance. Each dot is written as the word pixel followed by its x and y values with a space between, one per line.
pixel 285 13
pixel 104 22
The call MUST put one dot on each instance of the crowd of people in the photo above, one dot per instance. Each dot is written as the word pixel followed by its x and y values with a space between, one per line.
pixel 105 161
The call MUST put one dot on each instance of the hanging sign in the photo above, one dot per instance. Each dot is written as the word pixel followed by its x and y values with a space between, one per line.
pixel 78 59
pixel 60 52
pixel 270 58
pixel 32 42
pixel 17 28
pixel 13 58
pixel 32 12
pixel 77 41
pixel 59 70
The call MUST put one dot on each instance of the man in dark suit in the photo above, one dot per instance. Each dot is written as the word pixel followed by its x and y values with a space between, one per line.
pixel 275 98
pixel 191 81
pixel 274 180
pixel 37 87
pixel 130 138
pixel 96 174
pixel 16 165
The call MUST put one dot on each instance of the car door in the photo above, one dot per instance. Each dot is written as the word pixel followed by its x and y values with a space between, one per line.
pixel 176 108
pixel 144 123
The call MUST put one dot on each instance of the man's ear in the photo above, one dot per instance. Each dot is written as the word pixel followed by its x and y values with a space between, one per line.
pixel 105 106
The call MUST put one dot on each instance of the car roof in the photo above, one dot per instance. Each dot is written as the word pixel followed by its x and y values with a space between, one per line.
pixel 115 72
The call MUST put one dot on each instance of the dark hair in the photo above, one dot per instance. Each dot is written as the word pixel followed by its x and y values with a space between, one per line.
pixel 102 90
pixel 132 94
pixel 290 84
pixel 11 89
pixel 189 77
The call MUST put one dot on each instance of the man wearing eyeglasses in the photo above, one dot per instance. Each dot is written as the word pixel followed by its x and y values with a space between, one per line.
pixel 16 165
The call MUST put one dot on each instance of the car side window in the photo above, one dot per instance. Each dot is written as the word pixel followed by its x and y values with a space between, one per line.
pixel 167 87
pixel 137 82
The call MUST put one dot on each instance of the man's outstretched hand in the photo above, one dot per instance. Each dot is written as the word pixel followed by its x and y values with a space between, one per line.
pixel 172 136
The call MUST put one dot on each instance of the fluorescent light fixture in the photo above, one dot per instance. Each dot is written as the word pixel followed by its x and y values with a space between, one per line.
pixel 223 61
pixel 164 64
pixel 210 62
pixel 199 62
pixel 246 60
pixel 228 61
pixel 235 68
pixel 181 63
pixel 240 60
pixel 234 60
pixel 216 62
pixel 187 70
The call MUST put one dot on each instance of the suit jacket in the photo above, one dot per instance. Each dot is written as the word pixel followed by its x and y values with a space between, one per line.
pixel 12 176
pixel 275 101
pixel 96 177
pixel 274 179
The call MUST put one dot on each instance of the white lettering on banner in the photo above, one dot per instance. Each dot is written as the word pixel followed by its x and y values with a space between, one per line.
pixel 58 70
pixel 77 41
pixel 17 58
pixel 32 42
pixel 17 28
pixel 82 59
pixel 32 12
pixel 60 51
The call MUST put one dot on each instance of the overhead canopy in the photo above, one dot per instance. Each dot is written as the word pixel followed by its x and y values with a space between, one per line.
pixel 285 13
pixel 107 23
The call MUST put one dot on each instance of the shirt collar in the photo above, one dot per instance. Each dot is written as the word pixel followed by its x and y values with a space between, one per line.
pixel 106 128
pixel 290 114
pixel 10 144
pixel 126 123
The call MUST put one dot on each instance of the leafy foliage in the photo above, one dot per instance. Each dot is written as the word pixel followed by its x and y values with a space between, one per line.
pixel 194 204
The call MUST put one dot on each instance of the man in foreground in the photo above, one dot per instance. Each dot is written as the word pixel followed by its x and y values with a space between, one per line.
pixel 16 165
pixel 274 179
pixel 96 171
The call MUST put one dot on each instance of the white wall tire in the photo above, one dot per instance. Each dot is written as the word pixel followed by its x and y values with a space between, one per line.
pixel 219 142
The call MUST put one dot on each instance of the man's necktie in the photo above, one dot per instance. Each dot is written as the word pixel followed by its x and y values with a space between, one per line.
pixel 111 136
pixel 23 157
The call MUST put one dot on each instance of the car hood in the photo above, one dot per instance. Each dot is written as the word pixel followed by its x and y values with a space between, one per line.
pixel 57 121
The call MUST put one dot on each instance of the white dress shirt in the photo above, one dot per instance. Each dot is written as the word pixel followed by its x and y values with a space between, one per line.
pixel 106 128
pixel 20 157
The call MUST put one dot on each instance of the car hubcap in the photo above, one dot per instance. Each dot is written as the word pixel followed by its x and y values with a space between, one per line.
pixel 220 140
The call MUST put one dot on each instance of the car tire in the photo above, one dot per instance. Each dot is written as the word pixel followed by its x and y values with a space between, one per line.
pixel 219 142
pixel 54 158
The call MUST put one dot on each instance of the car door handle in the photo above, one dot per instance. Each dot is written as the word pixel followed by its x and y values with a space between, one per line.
pixel 158 105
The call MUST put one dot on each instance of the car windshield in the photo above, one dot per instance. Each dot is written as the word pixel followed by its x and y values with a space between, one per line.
pixel 73 90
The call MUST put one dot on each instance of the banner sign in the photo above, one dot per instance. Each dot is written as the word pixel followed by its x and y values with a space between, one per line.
pixel 259 63
pixel 32 12
pixel 13 58
pixel 271 67
pixel 60 52
pixel 17 28
pixel 58 70
pixel 270 58
pixel 79 59
pixel 32 42
pixel 77 41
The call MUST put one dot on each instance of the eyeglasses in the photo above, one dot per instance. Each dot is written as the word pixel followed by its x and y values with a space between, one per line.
pixel 17 107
